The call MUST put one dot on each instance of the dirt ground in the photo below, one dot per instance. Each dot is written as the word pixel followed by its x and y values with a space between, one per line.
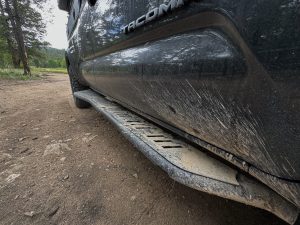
pixel 62 165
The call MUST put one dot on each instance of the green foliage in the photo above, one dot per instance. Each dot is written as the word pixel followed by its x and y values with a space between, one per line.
pixel 33 27
pixel 50 58
pixel 5 57
pixel 47 58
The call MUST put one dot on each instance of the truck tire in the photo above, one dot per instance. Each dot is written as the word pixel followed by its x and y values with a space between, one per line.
pixel 64 5
pixel 76 86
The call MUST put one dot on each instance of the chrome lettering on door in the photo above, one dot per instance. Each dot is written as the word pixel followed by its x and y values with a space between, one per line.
pixel 153 14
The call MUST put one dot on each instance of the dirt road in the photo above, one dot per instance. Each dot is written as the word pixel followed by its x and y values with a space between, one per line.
pixel 62 165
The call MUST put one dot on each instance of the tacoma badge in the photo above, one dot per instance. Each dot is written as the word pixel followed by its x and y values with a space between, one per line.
pixel 152 15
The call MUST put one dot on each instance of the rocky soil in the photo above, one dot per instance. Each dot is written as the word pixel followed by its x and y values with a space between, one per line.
pixel 62 165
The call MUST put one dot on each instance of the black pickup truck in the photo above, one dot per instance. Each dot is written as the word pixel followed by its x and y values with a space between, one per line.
pixel 207 89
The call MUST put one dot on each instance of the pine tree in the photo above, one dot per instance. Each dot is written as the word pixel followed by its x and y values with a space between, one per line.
pixel 24 30
pixel 7 37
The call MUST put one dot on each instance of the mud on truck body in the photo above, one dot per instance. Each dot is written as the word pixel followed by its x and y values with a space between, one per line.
pixel 206 89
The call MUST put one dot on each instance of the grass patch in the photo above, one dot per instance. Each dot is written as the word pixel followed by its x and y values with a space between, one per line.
pixel 17 74
pixel 49 70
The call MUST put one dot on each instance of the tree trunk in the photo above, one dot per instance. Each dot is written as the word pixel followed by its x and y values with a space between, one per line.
pixel 13 52
pixel 17 30
pixel 15 58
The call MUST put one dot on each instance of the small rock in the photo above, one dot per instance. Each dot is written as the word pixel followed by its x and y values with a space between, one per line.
pixel 89 138
pixel 22 139
pixel 5 157
pixel 35 138
pixel 66 177
pixel 24 150
pixel 56 149
pixel 133 198
pixel 46 136
pixel 3 111
pixel 51 212
pixel 30 214
pixel 11 178
pixel 63 159
pixel 24 125
pixel 135 175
